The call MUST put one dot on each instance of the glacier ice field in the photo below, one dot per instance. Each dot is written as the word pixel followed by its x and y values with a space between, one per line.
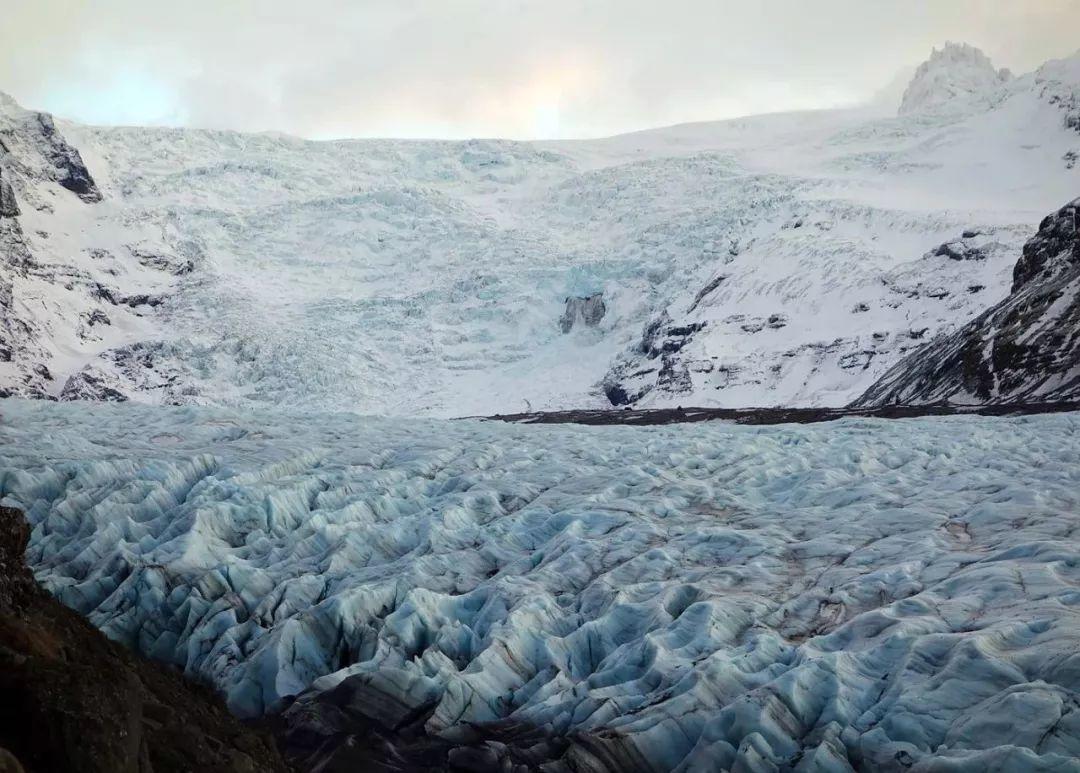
pixel 892 595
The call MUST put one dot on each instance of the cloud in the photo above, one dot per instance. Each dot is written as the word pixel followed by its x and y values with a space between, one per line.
pixel 519 68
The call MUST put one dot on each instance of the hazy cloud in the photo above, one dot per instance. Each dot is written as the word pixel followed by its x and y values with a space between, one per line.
pixel 519 68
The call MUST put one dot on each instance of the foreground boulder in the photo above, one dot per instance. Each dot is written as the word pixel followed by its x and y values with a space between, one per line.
pixel 75 701
pixel 1026 348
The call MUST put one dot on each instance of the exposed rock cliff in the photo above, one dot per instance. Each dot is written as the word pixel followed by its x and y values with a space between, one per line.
pixel 75 701
pixel 1027 347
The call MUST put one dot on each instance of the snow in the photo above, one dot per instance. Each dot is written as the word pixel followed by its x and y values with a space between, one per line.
pixel 429 278
pixel 860 593
pixel 73 245
pixel 958 72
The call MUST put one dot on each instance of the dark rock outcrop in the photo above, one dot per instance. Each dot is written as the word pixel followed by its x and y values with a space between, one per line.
pixel 141 367
pixel 169 263
pixel 75 701
pixel 587 311
pixel 1026 348
pixel 961 249
pixel 627 382
pixel 67 163
pixel 9 207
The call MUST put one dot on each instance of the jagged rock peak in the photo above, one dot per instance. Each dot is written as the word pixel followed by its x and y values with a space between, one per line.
pixel 956 71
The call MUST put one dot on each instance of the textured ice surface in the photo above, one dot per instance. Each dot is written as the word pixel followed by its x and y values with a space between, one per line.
pixel 859 593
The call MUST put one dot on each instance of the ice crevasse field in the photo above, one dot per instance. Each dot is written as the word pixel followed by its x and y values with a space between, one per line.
pixel 862 593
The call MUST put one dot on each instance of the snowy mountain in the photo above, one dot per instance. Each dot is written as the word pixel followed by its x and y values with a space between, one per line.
pixel 781 259
pixel 809 310
pixel 956 73
pixel 1025 348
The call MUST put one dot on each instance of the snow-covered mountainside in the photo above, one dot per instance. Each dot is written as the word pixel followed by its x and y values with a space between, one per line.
pixel 859 594
pixel 784 259
pixel 77 273
pixel 1026 348
pixel 956 73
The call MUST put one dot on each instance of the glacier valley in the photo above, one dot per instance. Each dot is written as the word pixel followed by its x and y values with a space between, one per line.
pixel 860 594
pixel 233 368
pixel 786 259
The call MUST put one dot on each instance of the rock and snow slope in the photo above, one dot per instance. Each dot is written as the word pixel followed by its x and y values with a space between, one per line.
pixel 77 273
pixel 914 243
pixel 859 594
pixel 786 259
pixel 1024 349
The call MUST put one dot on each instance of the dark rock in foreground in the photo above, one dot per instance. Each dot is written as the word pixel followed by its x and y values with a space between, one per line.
pixel 74 701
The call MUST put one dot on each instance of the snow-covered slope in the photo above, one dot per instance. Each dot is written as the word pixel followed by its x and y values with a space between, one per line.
pixel 1026 348
pixel 784 259
pixel 77 274
pixel 860 594
pixel 898 231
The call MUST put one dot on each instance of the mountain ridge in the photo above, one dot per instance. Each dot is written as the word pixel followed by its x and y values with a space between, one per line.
pixel 430 277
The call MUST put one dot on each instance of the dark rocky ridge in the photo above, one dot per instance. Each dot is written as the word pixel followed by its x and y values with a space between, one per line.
pixel 1026 348
pixel 658 416
pixel 67 164
pixel 74 701
pixel 9 207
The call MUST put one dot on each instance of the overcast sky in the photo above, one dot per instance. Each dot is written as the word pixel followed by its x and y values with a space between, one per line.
pixel 464 68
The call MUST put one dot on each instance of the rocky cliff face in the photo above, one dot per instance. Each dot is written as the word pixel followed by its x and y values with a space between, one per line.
pixel 74 701
pixel 35 151
pixel 1027 347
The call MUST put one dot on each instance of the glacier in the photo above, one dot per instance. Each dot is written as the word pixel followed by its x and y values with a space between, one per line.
pixel 431 278
pixel 859 594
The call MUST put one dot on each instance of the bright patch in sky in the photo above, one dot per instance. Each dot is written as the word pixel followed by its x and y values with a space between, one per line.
pixel 128 97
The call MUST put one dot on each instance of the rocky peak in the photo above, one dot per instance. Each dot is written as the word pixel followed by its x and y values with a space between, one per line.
pixel 34 149
pixel 8 206
pixel 1056 246
pixel 1058 82
pixel 956 71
